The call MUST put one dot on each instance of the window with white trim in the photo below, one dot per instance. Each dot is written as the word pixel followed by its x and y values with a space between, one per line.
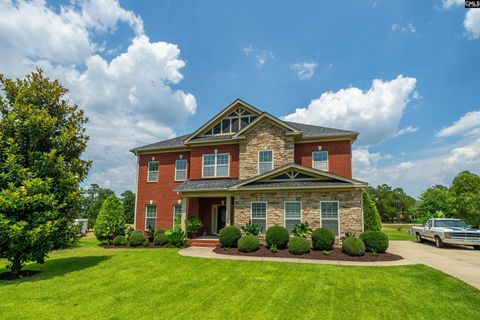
pixel 259 215
pixel 320 160
pixel 293 214
pixel 152 171
pixel 265 161
pixel 216 165
pixel 151 216
pixel 329 216
pixel 180 170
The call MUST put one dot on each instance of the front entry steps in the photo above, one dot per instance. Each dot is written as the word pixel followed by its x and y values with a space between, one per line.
pixel 204 242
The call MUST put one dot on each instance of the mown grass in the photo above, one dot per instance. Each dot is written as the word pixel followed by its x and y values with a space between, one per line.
pixel 397 231
pixel 96 283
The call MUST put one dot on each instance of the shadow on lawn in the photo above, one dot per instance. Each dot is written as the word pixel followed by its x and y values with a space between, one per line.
pixel 58 267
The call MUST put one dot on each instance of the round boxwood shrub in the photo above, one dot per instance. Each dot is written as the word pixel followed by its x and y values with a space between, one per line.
pixel 161 239
pixel 375 241
pixel 248 244
pixel 353 247
pixel 119 241
pixel 229 236
pixel 323 239
pixel 277 236
pixel 136 239
pixel 298 245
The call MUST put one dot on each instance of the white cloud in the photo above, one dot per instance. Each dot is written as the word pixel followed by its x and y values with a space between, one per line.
pixel 363 157
pixel 263 57
pixel 468 124
pixel 248 50
pixel 452 3
pixel 463 155
pixel 375 113
pixel 407 28
pixel 304 70
pixel 472 23
pixel 129 98
pixel 409 129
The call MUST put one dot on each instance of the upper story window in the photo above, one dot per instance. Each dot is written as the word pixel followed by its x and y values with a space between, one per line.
pixel 216 165
pixel 180 170
pixel 265 161
pixel 152 171
pixel 320 160
pixel 234 122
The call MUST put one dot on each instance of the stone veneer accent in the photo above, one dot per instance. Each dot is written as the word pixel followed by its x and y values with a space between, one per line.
pixel 350 202
pixel 265 136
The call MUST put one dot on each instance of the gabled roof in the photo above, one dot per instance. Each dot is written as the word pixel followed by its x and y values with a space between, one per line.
pixel 306 131
pixel 287 177
pixel 221 114
pixel 268 116
pixel 297 173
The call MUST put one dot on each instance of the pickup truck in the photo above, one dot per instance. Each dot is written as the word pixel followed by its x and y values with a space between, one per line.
pixel 447 231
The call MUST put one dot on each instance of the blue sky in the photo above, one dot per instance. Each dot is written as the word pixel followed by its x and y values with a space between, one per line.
pixel 405 74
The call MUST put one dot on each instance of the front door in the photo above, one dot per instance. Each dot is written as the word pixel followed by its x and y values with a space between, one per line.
pixel 220 218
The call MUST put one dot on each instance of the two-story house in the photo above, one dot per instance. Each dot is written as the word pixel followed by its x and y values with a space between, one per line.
pixel 247 165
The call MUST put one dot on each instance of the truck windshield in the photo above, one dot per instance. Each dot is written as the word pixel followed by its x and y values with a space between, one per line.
pixel 450 224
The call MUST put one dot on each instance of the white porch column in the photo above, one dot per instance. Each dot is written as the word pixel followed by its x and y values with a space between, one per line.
pixel 183 218
pixel 228 210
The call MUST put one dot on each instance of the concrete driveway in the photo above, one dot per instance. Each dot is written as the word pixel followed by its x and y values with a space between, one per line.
pixel 460 262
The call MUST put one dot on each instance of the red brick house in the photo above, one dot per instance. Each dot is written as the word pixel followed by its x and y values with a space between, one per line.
pixel 247 165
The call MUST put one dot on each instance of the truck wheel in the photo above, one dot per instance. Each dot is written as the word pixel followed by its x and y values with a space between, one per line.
pixel 418 238
pixel 438 242
pixel 476 247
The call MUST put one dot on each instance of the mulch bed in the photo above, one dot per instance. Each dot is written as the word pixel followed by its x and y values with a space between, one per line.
pixel 23 274
pixel 150 246
pixel 335 254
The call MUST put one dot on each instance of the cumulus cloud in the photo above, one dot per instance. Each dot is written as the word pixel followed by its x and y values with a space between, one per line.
pixel 472 23
pixel 304 70
pixel 407 28
pixel 129 97
pixel 468 124
pixel 409 129
pixel 375 113
pixel 452 3
pixel 261 57
pixel 363 157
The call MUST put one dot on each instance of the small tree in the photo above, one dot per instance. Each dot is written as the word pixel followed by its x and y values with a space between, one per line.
pixel 42 138
pixel 371 218
pixel 465 198
pixel 111 220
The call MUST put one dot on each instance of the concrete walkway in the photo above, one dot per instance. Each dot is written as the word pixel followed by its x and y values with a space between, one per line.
pixel 460 262
pixel 199 252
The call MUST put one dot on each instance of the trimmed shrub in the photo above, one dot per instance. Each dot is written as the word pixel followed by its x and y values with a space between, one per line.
pixel 137 239
pixel 160 239
pixel 298 245
pixel 176 238
pixel 119 241
pixel 229 236
pixel 159 231
pixel 353 247
pixel 371 218
pixel 248 244
pixel 278 236
pixel 375 241
pixel 322 239
pixel 110 221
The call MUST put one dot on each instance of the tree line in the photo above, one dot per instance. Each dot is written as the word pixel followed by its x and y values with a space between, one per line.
pixel 92 198
pixel 461 200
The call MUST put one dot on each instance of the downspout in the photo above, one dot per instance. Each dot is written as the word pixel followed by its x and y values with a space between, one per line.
pixel 136 193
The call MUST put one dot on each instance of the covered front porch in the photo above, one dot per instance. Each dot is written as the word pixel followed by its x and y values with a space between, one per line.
pixel 214 210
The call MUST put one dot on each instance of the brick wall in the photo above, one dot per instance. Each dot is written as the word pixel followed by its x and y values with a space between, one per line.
pixel 196 159
pixel 160 193
pixel 265 136
pixel 350 207
pixel 339 155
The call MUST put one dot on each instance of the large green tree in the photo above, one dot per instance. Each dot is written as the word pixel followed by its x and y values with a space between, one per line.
pixel 465 198
pixel 371 218
pixel 434 202
pixel 391 203
pixel 128 199
pixel 93 198
pixel 42 138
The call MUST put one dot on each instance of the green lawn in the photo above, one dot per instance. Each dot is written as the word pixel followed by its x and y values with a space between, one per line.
pixel 397 231
pixel 94 283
